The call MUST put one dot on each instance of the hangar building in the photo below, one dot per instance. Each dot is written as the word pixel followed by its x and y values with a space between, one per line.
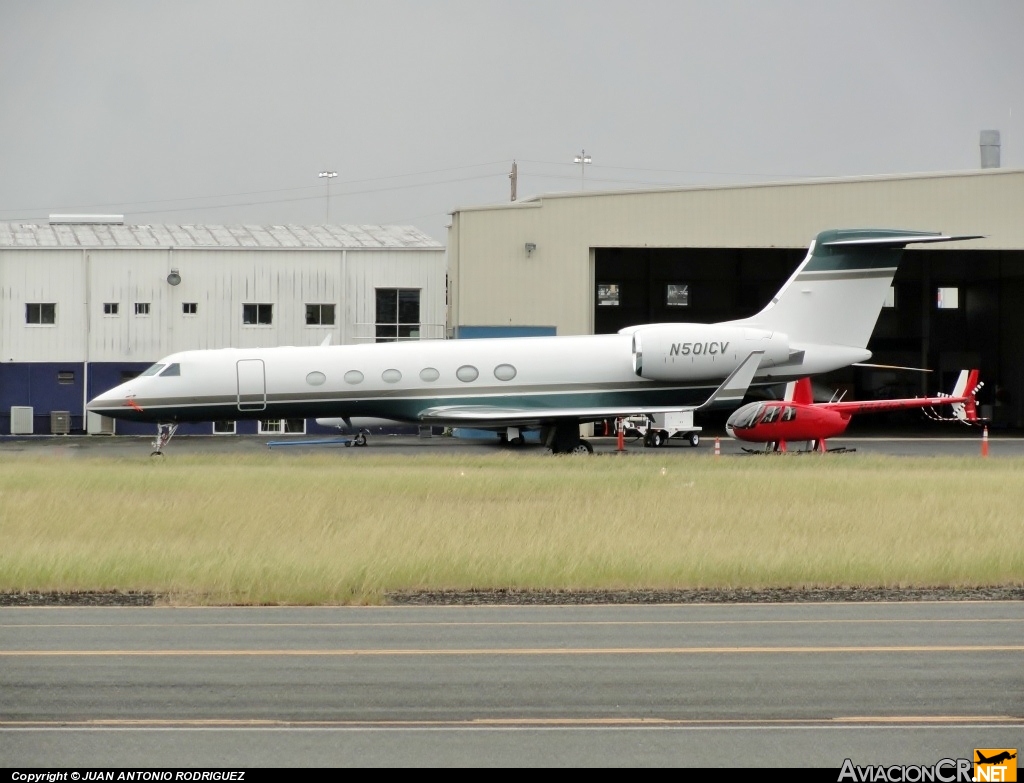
pixel 87 302
pixel 594 262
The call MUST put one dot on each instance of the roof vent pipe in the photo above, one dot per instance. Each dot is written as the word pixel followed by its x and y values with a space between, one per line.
pixel 990 149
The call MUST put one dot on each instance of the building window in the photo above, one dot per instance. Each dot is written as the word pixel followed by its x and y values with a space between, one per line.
pixel 398 314
pixel 890 298
pixel 111 308
pixel 258 314
pixel 142 308
pixel 319 315
pixel 677 295
pixel 607 294
pixel 65 377
pixel 41 314
pixel 948 298
pixel 224 428
pixel 282 426
pixel 189 308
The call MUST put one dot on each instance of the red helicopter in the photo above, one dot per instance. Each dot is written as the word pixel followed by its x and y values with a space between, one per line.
pixel 799 418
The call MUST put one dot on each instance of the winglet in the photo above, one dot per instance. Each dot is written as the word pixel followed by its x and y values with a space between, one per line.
pixel 734 388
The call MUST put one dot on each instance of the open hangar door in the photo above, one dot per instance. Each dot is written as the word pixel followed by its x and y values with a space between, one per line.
pixel 977 320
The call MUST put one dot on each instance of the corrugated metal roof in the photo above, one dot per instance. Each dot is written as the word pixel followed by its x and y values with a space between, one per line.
pixel 182 236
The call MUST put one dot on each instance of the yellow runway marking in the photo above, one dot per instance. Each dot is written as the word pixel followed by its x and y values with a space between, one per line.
pixel 527 651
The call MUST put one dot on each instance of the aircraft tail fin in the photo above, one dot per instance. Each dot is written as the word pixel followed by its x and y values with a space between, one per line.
pixel 967 386
pixel 836 294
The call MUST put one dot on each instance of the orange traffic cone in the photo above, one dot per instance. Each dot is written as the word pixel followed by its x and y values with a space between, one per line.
pixel 718 448
pixel 984 441
pixel 622 435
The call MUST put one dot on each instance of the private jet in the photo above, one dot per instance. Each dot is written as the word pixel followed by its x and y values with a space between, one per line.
pixel 820 320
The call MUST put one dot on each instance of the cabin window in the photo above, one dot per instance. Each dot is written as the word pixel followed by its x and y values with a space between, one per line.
pixel 947 298
pixel 429 374
pixel 771 414
pixel 261 314
pixel 397 315
pixel 608 294
pixel 224 428
pixel 316 378
pixel 189 308
pixel 467 373
pixel 41 314
pixel 789 413
pixel 504 372
pixel 142 308
pixel 111 308
pixel 391 376
pixel 282 427
pixel 677 294
pixel 319 315
pixel 353 377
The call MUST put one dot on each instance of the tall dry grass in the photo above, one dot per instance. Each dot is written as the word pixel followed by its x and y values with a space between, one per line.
pixel 314 529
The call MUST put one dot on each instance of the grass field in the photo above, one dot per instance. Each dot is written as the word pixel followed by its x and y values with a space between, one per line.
pixel 310 529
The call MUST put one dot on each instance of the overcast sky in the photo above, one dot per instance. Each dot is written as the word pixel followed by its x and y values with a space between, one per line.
pixel 225 111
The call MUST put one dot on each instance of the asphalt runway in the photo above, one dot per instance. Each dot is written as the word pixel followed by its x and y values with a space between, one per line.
pixel 783 685
pixel 965 442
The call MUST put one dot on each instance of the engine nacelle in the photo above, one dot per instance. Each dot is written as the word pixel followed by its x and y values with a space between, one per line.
pixel 694 352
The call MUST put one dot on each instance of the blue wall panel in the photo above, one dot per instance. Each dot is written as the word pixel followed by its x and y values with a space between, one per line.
pixel 36 385
pixel 482 332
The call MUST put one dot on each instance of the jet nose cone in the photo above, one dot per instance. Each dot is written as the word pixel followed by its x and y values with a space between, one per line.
pixel 115 398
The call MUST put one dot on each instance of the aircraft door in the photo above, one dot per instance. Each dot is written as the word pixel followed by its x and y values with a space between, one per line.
pixel 252 385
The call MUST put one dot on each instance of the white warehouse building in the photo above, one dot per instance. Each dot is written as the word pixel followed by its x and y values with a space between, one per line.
pixel 88 302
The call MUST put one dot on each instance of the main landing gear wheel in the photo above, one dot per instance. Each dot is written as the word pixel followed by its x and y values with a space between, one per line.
pixel 359 440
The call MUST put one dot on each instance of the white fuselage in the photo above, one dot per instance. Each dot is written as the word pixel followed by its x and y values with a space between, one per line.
pixel 400 381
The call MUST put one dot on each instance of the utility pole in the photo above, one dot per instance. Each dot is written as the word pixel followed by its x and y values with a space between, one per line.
pixel 512 177
pixel 583 159
pixel 327 176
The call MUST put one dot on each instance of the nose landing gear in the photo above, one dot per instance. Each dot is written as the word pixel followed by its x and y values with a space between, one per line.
pixel 164 433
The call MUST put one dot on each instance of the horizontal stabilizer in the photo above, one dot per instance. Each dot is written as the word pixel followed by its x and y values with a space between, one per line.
pixel 900 240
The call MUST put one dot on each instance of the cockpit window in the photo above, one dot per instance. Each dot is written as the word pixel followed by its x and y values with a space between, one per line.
pixel 152 370
pixel 746 418
pixel 172 369
pixel 771 414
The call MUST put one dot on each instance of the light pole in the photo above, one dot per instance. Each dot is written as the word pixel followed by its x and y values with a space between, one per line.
pixel 583 159
pixel 327 176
